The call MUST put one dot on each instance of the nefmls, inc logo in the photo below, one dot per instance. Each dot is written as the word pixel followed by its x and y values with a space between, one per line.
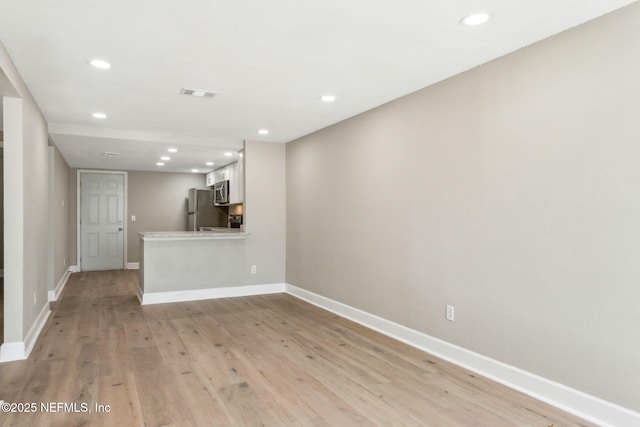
pixel 64 407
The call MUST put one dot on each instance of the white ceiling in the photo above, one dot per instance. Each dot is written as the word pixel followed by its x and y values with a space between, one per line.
pixel 269 62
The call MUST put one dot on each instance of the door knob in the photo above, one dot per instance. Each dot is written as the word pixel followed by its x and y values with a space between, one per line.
pixel 120 229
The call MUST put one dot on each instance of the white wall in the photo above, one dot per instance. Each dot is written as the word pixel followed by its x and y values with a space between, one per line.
pixel 265 211
pixel 13 221
pixel 508 191
pixel 26 198
pixel 58 217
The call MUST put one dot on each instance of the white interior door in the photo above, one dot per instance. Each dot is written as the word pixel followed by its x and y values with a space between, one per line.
pixel 101 221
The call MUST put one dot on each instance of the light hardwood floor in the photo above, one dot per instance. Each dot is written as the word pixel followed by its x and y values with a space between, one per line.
pixel 261 360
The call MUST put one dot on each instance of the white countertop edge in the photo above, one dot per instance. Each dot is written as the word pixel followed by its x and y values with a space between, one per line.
pixel 191 235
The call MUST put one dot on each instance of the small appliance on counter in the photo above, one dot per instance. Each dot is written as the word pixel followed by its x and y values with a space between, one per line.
pixel 235 221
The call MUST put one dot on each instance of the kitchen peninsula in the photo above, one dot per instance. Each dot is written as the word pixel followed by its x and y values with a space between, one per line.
pixel 188 265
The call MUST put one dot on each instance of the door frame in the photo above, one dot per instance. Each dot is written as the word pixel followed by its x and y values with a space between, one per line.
pixel 124 213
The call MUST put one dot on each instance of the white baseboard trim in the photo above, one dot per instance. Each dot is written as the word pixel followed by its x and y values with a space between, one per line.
pixel 20 350
pixel 211 293
pixel 10 351
pixel 139 294
pixel 34 332
pixel 54 294
pixel 74 269
pixel 589 407
pixel 133 266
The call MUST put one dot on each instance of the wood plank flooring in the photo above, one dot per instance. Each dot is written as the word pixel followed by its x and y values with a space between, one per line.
pixel 267 360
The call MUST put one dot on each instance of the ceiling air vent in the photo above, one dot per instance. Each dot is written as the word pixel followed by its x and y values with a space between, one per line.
pixel 109 154
pixel 197 93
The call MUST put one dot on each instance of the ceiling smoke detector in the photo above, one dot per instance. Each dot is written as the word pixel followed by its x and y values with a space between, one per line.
pixel 197 93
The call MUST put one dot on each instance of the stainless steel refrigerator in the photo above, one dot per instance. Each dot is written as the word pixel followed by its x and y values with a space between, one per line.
pixel 202 211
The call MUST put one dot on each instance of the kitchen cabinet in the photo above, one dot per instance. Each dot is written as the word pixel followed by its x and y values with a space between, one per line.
pixel 210 179
pixel 240 177
pixel 221 174
pixel 234 173
pixel 236 182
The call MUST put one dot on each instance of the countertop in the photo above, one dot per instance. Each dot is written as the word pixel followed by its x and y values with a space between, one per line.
pixel 215 234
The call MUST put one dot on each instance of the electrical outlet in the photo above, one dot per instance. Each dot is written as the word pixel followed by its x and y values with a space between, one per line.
pixel 253 269
pixel 64 262
pixel 451 313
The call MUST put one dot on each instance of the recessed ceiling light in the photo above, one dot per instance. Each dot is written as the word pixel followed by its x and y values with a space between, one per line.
pixel 159 164
pixel 100 63
pixel 228 154
pixel 327 98
pixel 476 19
pixel 195 170
pixel 172 150
pixel 263 132
pixel 165 158
pixel 209 163
pixel 99 115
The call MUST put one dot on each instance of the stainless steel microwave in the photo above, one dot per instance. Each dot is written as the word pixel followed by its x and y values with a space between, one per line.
pixel 221 193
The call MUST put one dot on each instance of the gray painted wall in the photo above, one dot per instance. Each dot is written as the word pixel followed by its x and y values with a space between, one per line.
pixel 59 210
pixel 508 191
pixel 265 211
pixel 35 202
pixel 26 201
pixel 159 202
pixel 193 265
pixel 156 199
